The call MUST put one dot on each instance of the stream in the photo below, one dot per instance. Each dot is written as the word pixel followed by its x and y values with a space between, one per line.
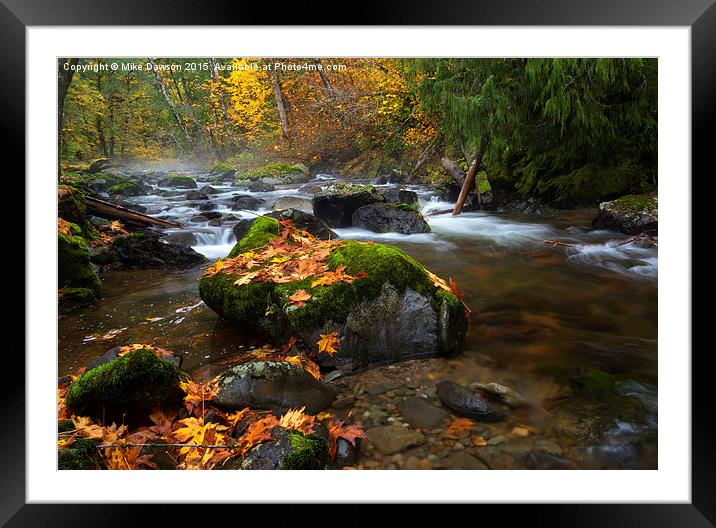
pixel 537 310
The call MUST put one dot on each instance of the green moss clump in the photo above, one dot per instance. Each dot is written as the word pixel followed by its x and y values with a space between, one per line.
pixel 308 452
pixel 125 390
pixel 221 167
pixel 81 454
pixel 405 207
pixel 125 188
pixel 172 179
pixel 636 203
pixel 75 297
pixel 483 184
pixel 272 170
pixel 349 188
pixel 259 234
pixel 74 268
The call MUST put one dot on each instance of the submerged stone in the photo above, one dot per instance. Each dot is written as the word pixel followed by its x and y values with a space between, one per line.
pixel 464 403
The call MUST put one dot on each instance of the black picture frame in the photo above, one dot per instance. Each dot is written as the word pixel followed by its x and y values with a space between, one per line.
pixel 16 15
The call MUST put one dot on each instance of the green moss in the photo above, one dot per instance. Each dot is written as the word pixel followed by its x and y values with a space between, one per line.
pixel 483 184
pixel 74 297
pixel 272 170
pixel 65 425
pixel 405 207
pixel 348 188
pixel 172 179
pixel 125 188
pixel 261 231
pixel 74 268
pixel 127 389
pixel 221 167
pixel 308 452
pixel 71 207
pixel 82 454
pixel 636 203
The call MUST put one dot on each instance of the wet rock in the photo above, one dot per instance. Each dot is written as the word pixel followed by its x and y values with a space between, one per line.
pixel 288 449
pixel 380 388
pixel 214 222
pixel 300 219
pixel 421 414
pixel 464 403
pixel 100 165
pixel 208 189
pixel 390 439
pixel 296 203
pixel 344 403
pixel 500 393
pixel 346 453
pixel 145 250
pixel 178 181
pixel 463 460
pixel 397 176
pixel 206 206
pixel 275 386
pixel 247 202
pixel 336 204
pixel 196 195
pixel 631 214
pixel 212 214
pixel 182 238
pixel 542 459
pixel 395 195
pixel 127 389
pixel 260 186
pixel 310 188
pixel 390 218
pixel 242 227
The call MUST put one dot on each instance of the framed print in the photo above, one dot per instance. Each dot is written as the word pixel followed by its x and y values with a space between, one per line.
pixel 420 262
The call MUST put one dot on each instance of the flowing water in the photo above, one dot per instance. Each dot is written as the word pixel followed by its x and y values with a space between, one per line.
pixel 537 310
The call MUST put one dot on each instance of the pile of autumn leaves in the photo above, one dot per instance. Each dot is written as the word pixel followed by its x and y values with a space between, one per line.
pixel 192 442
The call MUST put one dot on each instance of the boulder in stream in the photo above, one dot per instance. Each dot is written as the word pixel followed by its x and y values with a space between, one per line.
pixel 378 304
pixel 178 181
pixel 390 218
pixel 300 219
pixel 336 203
pixel 146 250
pixel 272 385
pixel 293 202
pixel 397 195
pixel 633 214
pixel 260 186
pixel 246 202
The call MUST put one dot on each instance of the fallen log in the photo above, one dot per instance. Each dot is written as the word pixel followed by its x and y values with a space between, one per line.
pixel 455 172
pixel 466 184
pixel 111 211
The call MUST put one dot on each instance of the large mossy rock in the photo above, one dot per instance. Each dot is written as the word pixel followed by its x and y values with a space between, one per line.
pixel 74 267
pixel 272 385
pixel 632 214
pixel 126 390
pixel 178 181
pixel 336 203
pixel 300 219
pixel 146 250
pixel 390 218
pixel 394 312
pixel 274 174
pixel 71 207
pixel 100 165
pixel 127 188
pixel 81 454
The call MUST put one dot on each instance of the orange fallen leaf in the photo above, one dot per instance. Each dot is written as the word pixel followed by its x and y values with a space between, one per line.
pixel 328 343
pixel 299 298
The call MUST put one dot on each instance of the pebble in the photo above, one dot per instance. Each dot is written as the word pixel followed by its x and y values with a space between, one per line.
pixel 496 440
pixel 458 446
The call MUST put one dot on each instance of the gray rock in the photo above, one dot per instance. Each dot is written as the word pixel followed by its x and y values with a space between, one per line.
pixel 396 195
pixel 463 460
pixel 271 385
pixel 389 439
pixel 284 452
pixel 421 414
pixel 293 202
pixel 249 203
pixel 261 186
pixel 390 218
pixel 501 393
pixel 464 403
pixel 310 188
pixel 335 205
pixel 196 195
pixel 633 214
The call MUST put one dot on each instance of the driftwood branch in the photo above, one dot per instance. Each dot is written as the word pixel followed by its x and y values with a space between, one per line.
pixel 111 211
pixel 556 243
pixel 466 184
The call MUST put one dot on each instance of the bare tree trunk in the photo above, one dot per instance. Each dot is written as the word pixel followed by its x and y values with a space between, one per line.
pixel 280 103
pixel 457 174
pixel 324 79
pixel 224 106
pixel 65 72
pixel 425 155
pixel 163 90
pixel 466 184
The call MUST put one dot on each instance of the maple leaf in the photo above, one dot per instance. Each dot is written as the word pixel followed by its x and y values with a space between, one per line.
pixel 457 426
pixel 214 268
pixel 117 227
pixel 328 343
pixel 306 364
pixel 337 430
pixel 437 281
pixel 64 190
pixel 162 423
pixel 299 298
pixel 197 394
pixel 298 420
pixel 257 433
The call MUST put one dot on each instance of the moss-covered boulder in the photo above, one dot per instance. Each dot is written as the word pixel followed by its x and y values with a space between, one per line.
pixel 71 207
pixel 390 218
pixel 100 165
pixel 273 385
pixel 300 219
pixel 221 167
pixel 336 203
pixel 288 449
pixel 274 174
pixel 632 214
pixel 71 298
pixel 81 454
pixel 178 181
pixel 390 308
pixel 127 188
pixel 398 195
pixel 126 390
pixel 73 264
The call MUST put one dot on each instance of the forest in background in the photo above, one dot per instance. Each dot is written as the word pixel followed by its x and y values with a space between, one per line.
pixel 570 131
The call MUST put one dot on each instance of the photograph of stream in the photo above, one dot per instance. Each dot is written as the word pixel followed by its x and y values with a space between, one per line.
pixel 364 263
